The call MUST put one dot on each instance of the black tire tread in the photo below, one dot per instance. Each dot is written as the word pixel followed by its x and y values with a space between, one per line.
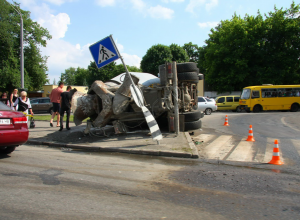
pixel 192 125
pixel 187 67
pixel 192 116
pixel 188 76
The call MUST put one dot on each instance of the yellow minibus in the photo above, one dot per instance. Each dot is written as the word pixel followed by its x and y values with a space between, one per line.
pixel 270 97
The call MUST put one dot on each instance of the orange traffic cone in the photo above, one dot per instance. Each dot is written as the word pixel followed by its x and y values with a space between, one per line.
pixel 276 155
pixel 250 136
pixel 226 121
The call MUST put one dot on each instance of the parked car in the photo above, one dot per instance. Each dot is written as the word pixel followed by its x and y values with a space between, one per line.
pixel 229 103
pixel 13 129
pixel 42 104
pixel 207 105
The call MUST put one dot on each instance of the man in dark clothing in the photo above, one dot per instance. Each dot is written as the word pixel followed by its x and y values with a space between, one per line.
pixel 65 106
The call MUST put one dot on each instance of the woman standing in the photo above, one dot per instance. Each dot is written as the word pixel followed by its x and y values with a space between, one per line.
pixel 13 98
pixel 23 104
pixel 5 99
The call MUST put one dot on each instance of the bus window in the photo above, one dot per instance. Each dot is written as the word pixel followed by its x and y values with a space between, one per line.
pixel 281 93
pixel 266 93
pixel 255 94
pixel 296 92
pixel 246 94
pixel 288 92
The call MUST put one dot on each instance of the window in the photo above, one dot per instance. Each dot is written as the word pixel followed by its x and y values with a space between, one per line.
pixel 255 94
pixel 229 99
pixel 34 101
pixel 236 99
pixel 221 100
pixel 246 94
pixel 200 99
pixel 45 100
pixel 281 92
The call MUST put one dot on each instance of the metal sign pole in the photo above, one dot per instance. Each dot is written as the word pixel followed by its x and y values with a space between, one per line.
pixel 133 85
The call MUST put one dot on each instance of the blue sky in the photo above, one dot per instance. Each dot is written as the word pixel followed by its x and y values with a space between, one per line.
pixel 136 25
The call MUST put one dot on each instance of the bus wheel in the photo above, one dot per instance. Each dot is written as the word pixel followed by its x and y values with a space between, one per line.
pixel 294 107
pixel 256 109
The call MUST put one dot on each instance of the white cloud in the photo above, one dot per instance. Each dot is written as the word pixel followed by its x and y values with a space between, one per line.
pixel 138 5
pixel 56 24
pixel 199 3
pixel 160 12
pixel 208 24
pixel 58 2
pixel 130 60
pixel 211 4
pixel 104 3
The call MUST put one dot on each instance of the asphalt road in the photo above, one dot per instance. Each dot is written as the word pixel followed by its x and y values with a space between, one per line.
pixel 46 183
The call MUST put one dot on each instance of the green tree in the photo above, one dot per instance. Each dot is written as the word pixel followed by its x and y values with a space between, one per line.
pixel 155 56
pixel 81 77
pixel 69 76
pixel 252 50
pixel 178 54
pixel 192 51
pixel 34 37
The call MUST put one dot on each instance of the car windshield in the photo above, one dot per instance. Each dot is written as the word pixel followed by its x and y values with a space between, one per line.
pixel 4 107
pixel 246 94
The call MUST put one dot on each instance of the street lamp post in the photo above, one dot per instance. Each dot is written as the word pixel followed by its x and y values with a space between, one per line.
pixel 21 50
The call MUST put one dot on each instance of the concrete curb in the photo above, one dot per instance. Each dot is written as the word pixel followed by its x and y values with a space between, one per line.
pixel 123 150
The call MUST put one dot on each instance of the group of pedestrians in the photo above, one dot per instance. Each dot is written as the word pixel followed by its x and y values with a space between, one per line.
pixel 61 103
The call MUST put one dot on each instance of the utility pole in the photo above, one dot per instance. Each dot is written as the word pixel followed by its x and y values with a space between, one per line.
pixel 21 45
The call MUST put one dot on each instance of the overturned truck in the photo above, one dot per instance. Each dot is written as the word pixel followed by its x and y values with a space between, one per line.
pixel 111 103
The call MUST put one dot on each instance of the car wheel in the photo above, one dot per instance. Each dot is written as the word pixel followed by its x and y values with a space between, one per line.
pixel 192 125
pixel 238 109
pixel 256 109
pixel 187 67
pixel 7 150
pixel 51 111
pixel 294 107
pixel 192 116
pixel 188 76
pixel 208 111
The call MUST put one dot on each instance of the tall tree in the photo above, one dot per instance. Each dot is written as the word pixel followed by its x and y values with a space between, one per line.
pixel 34 37
pixel 178 54
pixel 192 51
pixel 251 50
pixel 155 56
pixel 69 76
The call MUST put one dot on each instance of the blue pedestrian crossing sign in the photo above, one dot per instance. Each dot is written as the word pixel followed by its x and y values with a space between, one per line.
pixel 104 51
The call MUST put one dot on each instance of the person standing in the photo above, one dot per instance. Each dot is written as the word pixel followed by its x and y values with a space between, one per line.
pixel 55 99
pixel 23 104
pixel 5 99
pixel 13 98
pixel 65 103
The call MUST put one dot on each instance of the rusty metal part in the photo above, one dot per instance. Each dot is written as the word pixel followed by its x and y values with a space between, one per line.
pixel 100 89
pixel 84 106
pixel 123 95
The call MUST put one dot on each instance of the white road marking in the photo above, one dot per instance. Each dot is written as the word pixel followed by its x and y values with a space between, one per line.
pixel 204 137
pixel 213 150
pixel 242 152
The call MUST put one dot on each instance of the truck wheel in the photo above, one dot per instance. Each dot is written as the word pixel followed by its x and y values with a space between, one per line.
pixel 192 125
pixel 256 109
pixel 188 76
pixel 192 116
pixel 7 150
pixel 294 107
pixel 187 67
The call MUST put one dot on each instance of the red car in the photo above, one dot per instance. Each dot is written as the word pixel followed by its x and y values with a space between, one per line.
pixel 13 129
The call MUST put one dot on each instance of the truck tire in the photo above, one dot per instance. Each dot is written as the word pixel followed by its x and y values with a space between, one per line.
pixel 192 116
pixel 188 77
pixel 187 67
pixel 192 125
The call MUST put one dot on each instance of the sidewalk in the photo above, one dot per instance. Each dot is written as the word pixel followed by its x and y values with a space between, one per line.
pixel 139 142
